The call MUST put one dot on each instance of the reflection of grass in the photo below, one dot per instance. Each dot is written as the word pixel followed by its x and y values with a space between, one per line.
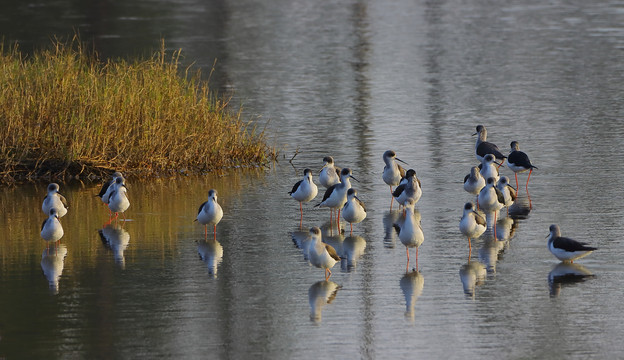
pixel 64 112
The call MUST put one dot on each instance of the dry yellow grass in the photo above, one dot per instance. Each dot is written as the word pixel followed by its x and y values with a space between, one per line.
pixel 63 112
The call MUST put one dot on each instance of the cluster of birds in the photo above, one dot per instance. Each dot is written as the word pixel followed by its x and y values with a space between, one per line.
pixel 493 193
pixel 113 194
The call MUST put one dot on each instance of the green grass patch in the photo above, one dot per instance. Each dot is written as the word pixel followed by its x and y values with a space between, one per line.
pixel 66 113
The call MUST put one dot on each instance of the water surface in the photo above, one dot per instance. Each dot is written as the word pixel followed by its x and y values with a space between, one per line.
pixel 351 80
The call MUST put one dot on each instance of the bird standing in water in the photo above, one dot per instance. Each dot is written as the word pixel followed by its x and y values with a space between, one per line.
pixel 210 213
pixel 484 147
pixel 519 162
pixel 54 200
pixel 320 254
pixel 330 173
pixel 354 210
pixel 304 190
pixel 472 225
pixel 392 172
pixel 410 231
pixel 566 249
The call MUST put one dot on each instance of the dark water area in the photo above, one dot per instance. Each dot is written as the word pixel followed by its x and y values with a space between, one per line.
pixel 351 80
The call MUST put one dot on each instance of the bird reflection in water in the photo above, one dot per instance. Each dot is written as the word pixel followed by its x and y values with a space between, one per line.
pixel 211 253
pixel 301 239
pixel 412 285
pixel 521 208
pixel 52 263
pixel 352 249
pixel 334 239
pixel 472 274
pixel 319 294
pixel 491 249
pixel 115 238
pixel 390 234
pixel 564 274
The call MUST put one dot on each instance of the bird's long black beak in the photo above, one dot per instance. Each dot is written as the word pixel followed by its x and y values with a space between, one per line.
pixel 397 159
pixel 475 134
pixel 351 176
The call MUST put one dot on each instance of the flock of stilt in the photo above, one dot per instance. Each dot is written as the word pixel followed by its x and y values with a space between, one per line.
pixel 492 190
pixel 113 194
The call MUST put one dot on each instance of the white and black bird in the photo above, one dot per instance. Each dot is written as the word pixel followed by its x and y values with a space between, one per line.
pixel 210 213
pixel 410 230
pixel 392 172
pixel 54 200
pixel 107 187
pixel 474 182
pixel 491 200
pixel 566 249
pixel 320 254
pixel 354 210
pixel 336 195
pixel 472 225
pixel 509 193
pixel 488 167
pixel 118 201
pixel 484 147
pixel 408 190
pixel 519 162
pixel 51 229
pixel 304 190
pixel 330 173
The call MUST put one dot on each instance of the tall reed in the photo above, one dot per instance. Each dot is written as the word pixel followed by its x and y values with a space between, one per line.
pixel 64 112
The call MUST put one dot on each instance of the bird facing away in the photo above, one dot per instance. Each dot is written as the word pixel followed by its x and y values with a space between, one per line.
pixel 304 190
pixel 491 199
pixel 509 193
pixel 210 213
pixel 354 210
pixel 330 173
pixel 472 225
pixel 54 200
pixel 483 147
pixel 106 189
pixel 336 195
pixel 51 229
pixel 410 231
pixel 488 169
pixel 474 182
pixel 566 249
pixel 408 190
pixel 320 254
pixel 519 162
pixel 118 201
pixel 392 172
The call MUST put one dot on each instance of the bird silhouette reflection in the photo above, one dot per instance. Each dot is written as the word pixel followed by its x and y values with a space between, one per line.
pixel 566 274
pixel 412 284
pixel 52 264
pixel 320 294
pixel 211 253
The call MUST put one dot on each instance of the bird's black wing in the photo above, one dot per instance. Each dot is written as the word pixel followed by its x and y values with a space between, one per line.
pixel 568 244
pixel 295 187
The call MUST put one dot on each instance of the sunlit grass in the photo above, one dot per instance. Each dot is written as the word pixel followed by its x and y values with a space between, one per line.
pixel 64 112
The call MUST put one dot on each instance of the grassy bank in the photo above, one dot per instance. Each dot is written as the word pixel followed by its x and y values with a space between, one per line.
pixel 65 113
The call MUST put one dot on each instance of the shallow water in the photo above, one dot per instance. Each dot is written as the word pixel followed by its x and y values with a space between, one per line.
pixel 350 80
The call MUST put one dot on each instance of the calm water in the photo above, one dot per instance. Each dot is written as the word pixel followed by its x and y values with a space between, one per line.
pixel 348 79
